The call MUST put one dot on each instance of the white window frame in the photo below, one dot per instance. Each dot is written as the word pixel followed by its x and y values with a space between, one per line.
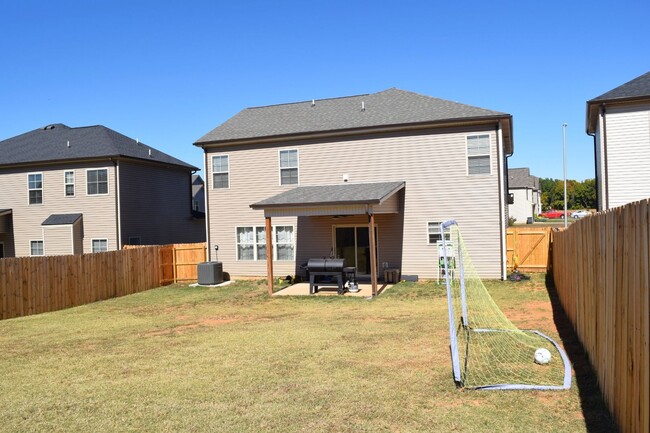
pixel 66 184
pixel 436 232
pixel 108 182
pixel 296 167
pixel 257 243
pixel 488 154
pixel 222 155
pixel 92 245
pixel 195 205
pixel 31 249
pixel 29 189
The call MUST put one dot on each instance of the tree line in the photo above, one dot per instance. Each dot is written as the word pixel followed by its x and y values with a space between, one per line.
pixel 580 195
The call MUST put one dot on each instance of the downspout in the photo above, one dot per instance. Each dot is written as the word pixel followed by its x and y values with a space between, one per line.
pixel 606 170
pixel 595 166
pixel 118 222
pixel 502 211
pixel 206 195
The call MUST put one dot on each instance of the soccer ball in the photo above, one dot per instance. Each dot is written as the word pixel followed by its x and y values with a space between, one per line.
pixel 542 356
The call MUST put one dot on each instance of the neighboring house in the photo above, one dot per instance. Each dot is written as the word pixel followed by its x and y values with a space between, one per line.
pixel 526 194
pixel 198 195
pixel 79 190
pixel 323 169
pixel 619 121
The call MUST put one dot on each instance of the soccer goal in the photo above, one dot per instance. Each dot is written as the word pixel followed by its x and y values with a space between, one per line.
pixel 487 350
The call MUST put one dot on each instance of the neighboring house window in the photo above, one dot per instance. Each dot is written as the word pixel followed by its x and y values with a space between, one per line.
pixel 68 178
pixel 251 243
pixel 195 205
pixel 97 181
pixel 220 171
pixel 35 187
pixel 99 245
pixel 134 240
pixel 36 248
pixel 478 154
pixel 284 242
pixel 288 167
pixel 434 233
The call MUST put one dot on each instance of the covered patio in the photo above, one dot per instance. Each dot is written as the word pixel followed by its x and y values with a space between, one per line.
pixel 334 201
pixel 302 289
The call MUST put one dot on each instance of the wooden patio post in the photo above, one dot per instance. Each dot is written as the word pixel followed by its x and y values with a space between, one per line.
pixel 269 254
pixel 373 251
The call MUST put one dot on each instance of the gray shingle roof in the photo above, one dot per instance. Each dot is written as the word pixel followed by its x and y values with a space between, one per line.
pixel 5 211
pixel 60 219
pixel 638 87
pixel 521 178
pixel 344 194
pixel 389 107
pixel 51 144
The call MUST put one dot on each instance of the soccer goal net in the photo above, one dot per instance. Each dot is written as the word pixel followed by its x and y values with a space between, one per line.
pixel 488 351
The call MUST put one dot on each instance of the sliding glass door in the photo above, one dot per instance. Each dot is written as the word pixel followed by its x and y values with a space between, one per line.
pixel 352 243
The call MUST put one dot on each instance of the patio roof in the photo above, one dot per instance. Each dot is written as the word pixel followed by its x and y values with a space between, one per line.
pixel 61 219
pixel 4 212
pixel 347 198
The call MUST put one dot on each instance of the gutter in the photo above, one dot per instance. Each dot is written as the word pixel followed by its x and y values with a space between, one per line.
pixel 206 195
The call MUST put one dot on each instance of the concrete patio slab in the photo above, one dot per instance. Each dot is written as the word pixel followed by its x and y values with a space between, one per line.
pixel 302 289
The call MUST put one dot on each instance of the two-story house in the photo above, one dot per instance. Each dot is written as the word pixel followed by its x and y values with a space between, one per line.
pixel 70 190
pixel 526 195
pixel 316 175
pixel 619 121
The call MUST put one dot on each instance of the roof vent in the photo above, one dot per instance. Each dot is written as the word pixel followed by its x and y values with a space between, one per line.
pixel 313 102
pixel 137 141
pixel 48 127
pixel 150 153
pixel 68 144
pixel 363 106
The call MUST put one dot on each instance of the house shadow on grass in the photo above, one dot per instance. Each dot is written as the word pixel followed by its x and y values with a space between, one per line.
pixel 598 418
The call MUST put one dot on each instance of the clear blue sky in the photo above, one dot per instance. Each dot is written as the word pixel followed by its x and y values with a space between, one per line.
pixel 168 72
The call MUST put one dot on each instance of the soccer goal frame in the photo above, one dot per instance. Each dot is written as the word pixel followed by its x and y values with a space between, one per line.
pixel 464 325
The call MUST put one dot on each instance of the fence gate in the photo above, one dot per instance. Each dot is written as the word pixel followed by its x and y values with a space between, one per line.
pixel 528 248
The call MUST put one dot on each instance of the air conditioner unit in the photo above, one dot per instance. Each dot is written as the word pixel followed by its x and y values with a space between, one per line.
pixel 210 273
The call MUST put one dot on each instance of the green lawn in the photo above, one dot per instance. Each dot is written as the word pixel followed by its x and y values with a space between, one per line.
pixel 232 359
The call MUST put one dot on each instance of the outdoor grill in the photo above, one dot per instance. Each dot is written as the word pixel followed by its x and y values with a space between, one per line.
pixel 327 272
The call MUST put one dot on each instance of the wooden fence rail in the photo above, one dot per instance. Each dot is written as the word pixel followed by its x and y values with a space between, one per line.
pixel 601 272
pixel 32 285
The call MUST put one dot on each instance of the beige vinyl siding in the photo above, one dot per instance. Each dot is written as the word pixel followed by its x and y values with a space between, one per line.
pixel 433 164
pixel 156 205
pixel 98 210
pixel 58 240
pixel 628 154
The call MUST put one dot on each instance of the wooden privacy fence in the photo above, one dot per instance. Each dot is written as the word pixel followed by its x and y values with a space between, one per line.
pixel 601 272
pixel 31 285
pixel 178 262
pixel 528 247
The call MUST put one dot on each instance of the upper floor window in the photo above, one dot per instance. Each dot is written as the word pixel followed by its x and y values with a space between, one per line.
pixel 220 171
pixel 35 188
pixel 68 179
pixel 97 181
pixel 478 154
pixel 289 167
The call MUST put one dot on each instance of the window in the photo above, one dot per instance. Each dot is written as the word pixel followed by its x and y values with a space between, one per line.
pixel 434 233
pixel 135 240
pixel 35 188
pixel 195 205
pixel 220 171
pixel 68 179
pixel 478 154
pixel 36 248
pixel 288 167
pixel 251 243
pixel 97 181
pixel 99 245
pixel 284 242
pixel 245 243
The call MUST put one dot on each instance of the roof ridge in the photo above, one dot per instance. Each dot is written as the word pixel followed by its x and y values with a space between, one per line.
pixel 310 100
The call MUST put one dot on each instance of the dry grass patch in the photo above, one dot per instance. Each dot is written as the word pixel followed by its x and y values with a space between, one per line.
pixel 233 359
